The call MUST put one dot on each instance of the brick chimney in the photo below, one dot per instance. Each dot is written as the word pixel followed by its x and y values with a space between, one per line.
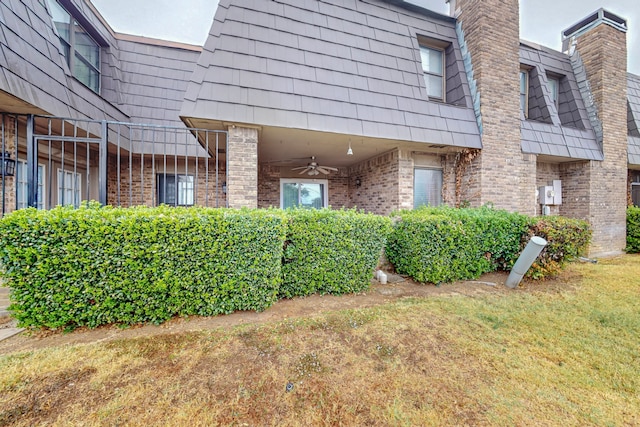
pixel 600 42
pixel 501 174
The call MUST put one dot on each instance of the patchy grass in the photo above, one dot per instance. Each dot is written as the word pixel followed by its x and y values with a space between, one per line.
pixel 567 357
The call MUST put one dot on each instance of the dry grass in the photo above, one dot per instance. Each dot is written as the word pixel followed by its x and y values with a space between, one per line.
pixel 568 357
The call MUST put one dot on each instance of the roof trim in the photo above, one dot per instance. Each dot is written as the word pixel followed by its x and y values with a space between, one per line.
pixel 157 42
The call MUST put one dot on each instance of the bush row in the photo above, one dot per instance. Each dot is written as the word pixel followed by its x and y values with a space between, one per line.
pixel 329 251
pixel 567 240
pixel 633 229
pixel 99 265
pixel 443 244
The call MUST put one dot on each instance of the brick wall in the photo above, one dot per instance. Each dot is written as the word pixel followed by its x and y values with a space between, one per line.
pixel 576 178
pixel 242 176
pixel 501 174
pixel 380 178
pixel 604 54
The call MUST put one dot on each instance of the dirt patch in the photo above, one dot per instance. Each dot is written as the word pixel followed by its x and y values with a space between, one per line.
pixel 397 287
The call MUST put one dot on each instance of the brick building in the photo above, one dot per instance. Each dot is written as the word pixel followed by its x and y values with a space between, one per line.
pixel 375 104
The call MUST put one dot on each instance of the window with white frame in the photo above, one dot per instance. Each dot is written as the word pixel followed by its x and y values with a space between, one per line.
pixel 303 193
pixel 175 190
pixel 433 71
pixel 79 48
pixel 22 185
pixel 69 188
pixel 427 187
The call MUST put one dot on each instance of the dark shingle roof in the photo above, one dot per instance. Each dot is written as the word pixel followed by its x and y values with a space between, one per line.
pixel 153 80
pixel 347 67
pixel 633 117
pixel 34 70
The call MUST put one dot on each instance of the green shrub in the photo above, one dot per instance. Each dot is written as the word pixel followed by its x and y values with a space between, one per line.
pixel 98 265
pixel 567 239
pixel 633 229
pixel 329 251
pixel 445 244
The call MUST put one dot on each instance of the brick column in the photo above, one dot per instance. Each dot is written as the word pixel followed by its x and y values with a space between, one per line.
pixel 242 173
pixel 501 174
pixel 603 49
pixel 9 194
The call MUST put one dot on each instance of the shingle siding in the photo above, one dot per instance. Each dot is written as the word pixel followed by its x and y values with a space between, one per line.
pixel 346 67
pixel 633 119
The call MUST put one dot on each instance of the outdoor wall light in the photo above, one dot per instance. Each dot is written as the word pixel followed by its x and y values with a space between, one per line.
pixel 8 165
pixel 349 151
pixel 358 182
pixel 224 187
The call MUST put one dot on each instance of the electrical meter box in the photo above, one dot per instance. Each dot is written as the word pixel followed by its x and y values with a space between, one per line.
pixel 546 194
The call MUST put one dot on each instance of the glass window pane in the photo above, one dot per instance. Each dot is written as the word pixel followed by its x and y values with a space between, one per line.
pixel 311 195
pixel 435 61
pixel 185 190
pixel 431 60
pixel 86 47
pixel 290 195
pixel 635 194
pixel 553 87
pixel 524 90
pixel 427 187
pixel 61 19
pixel 166 189
pixel 86 74
pixel 434 86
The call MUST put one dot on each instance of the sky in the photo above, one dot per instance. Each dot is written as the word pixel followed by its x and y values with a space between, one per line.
pixel 188 21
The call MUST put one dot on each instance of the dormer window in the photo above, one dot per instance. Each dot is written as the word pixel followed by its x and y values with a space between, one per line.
pixel 79 48
pixel 554 88
pixel 433 70
pixel 524 92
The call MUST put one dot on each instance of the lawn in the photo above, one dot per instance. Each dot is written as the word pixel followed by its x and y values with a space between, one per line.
pixel 565 355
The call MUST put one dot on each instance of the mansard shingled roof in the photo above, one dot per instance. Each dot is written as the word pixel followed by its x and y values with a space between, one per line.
pixel 154 78
pixel 342 66
pixel 36 71
pixel 563 132
pixel 633 116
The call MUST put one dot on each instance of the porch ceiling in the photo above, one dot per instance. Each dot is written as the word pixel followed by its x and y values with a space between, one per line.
pixel 294 147
pixel 12 104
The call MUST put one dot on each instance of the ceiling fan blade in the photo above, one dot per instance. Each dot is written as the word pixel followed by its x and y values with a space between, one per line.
pixel 306 169
pixel 299 167
pixel 331 168
pixel 323 170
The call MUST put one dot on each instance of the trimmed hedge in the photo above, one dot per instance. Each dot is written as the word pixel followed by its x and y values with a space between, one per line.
pixel 444 244
pixel 633 229
pixel 98 265
pixel 331 251
pixel 567 239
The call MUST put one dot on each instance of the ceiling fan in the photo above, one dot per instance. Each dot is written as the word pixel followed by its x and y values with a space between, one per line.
pixel 313 168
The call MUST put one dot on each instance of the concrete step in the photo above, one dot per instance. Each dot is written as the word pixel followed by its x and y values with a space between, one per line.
pixel 4 291
pixel 9 332
pixel 4 313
